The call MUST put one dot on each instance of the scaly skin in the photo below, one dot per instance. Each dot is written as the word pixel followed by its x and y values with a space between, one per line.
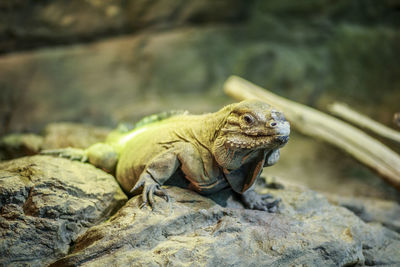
pixel 214 151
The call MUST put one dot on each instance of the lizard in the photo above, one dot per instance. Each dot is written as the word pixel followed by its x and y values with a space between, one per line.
pixel 210 152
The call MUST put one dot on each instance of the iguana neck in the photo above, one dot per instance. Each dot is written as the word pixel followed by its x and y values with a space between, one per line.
pixel 208 127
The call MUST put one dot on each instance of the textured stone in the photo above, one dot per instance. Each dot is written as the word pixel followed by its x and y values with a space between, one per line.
pixel 380 211
pixel 18 145
pixel 56 135
pixel 46 202
pixel 195 231
pixel 59 135
pixel 28 24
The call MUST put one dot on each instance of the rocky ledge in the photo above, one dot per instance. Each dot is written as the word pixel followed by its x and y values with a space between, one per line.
pixel 58 212
pixel 46 203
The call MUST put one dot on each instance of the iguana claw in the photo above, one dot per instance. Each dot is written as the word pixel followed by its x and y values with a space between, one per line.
pixel 150 188
pixel 255 201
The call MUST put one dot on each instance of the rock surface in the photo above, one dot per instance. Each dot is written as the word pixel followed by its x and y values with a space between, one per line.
pixel 19 145
pixel 195 231
pixel 46 202
pixel 56 135
pixel 64 134
pixel 371 210
pixel 54 211
pixel 26 24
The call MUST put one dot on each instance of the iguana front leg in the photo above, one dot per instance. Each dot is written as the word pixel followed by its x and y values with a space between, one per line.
pixel 252 200
pixel 148 188
pixel 160 169
pixel 155 174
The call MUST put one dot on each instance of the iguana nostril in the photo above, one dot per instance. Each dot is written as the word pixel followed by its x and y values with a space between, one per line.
pixel 273 124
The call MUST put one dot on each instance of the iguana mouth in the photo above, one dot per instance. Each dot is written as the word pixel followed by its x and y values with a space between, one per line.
pixel 246 145
pixel 258 141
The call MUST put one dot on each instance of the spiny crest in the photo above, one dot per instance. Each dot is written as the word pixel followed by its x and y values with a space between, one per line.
pixel 159 117
pixel 126 127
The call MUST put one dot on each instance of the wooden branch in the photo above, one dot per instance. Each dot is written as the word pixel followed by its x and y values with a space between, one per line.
pixel 317 124
pixel 356 118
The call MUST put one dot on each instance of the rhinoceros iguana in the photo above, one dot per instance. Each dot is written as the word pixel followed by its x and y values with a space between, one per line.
pixel 228 148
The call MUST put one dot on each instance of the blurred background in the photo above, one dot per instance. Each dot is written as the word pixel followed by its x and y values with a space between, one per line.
pixel 102 62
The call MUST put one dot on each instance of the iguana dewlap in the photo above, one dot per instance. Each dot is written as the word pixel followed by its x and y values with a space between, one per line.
pixel 213 151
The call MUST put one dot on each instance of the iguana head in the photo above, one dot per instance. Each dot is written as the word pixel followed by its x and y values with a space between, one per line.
pixel 249 125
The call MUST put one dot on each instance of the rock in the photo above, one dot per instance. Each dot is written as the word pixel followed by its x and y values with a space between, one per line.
pixel 46 202
pixel 380 211
pixel 28 24
pixel 60 135
pixel 382 12
pixel 18 145
pixel 195 231
pixel 56 135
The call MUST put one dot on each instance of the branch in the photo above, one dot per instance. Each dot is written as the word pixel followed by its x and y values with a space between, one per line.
pixel 317 124
pixel 345 112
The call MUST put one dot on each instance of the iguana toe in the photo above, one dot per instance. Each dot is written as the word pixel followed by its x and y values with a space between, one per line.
pixel 162 193
pixel 255 201
pixel 266 196
pixel 149 188
pixel 149 194
pixel 136 187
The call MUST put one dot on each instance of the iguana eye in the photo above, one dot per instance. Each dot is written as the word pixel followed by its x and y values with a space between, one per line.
pixel 248 118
